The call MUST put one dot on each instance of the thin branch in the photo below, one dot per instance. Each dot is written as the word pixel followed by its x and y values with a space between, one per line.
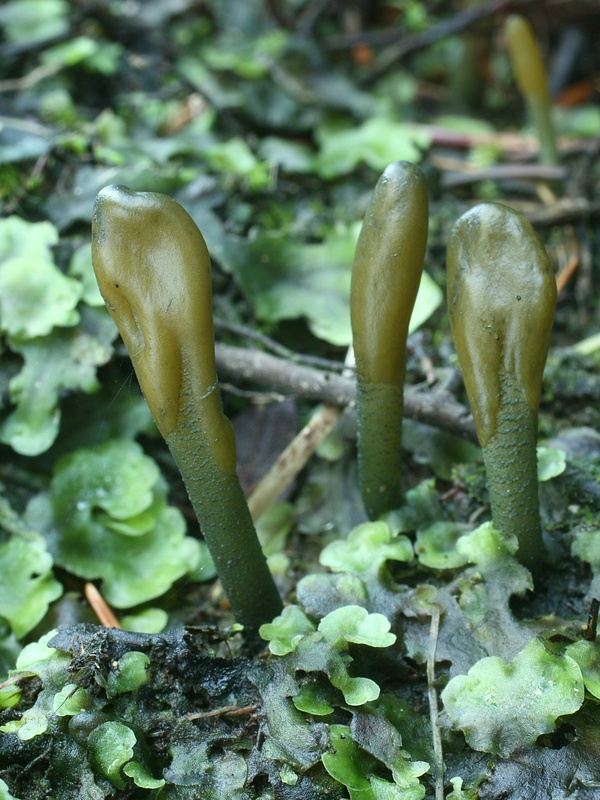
pixel 567 210
pixel 524 172
pixel 292 460
pixel 408 44
pixel 434 632
pixel 225 711
pixel 100 607
pixel 437 408
pixel 28 81
pixel 275 347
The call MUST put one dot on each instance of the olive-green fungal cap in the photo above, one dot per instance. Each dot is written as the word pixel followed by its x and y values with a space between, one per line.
pixel 153 271
pixel 528 63
pixel 501 301
pixel 387 272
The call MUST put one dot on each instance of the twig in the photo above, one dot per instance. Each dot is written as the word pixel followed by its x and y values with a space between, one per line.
pixel 100 607
pixel 275 347
pixel 516 145
pixel 525 172
pixel 408 44
pixel 30 80
pixel 293 459
pixel 511 142
pixel 297 453
pixel 434 631
pixel 564 211
pixel 570 267
pixel 437 408
pixel 224 711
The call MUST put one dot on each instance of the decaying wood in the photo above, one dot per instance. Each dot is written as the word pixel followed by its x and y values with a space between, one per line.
pixel 271 373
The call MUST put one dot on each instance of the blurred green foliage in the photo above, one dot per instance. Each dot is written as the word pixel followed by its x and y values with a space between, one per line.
pixel 272 137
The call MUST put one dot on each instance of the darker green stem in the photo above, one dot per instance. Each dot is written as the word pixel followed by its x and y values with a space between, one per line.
pixel 225 521
pixel 511 466
pixel 380 408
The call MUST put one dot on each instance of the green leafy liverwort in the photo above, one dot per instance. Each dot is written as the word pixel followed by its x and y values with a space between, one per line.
pixel 501 301
pixel 385 280
pixel 502 707
pixel 153 269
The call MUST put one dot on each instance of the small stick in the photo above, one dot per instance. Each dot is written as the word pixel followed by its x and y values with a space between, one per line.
pixel 525 172
pixel 293 459
pixel 224 711
pixel 100 607
pixel 567 272
pixel 434 631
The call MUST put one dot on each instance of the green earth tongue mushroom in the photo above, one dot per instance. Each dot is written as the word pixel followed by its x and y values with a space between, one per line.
pixel 530 73
pixel 153 270
pixel 385 281
pixel 501 301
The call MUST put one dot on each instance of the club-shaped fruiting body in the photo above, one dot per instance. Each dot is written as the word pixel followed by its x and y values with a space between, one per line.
pixel 385 280
pixel 531 76
pixel 501 301
pixel 153 270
